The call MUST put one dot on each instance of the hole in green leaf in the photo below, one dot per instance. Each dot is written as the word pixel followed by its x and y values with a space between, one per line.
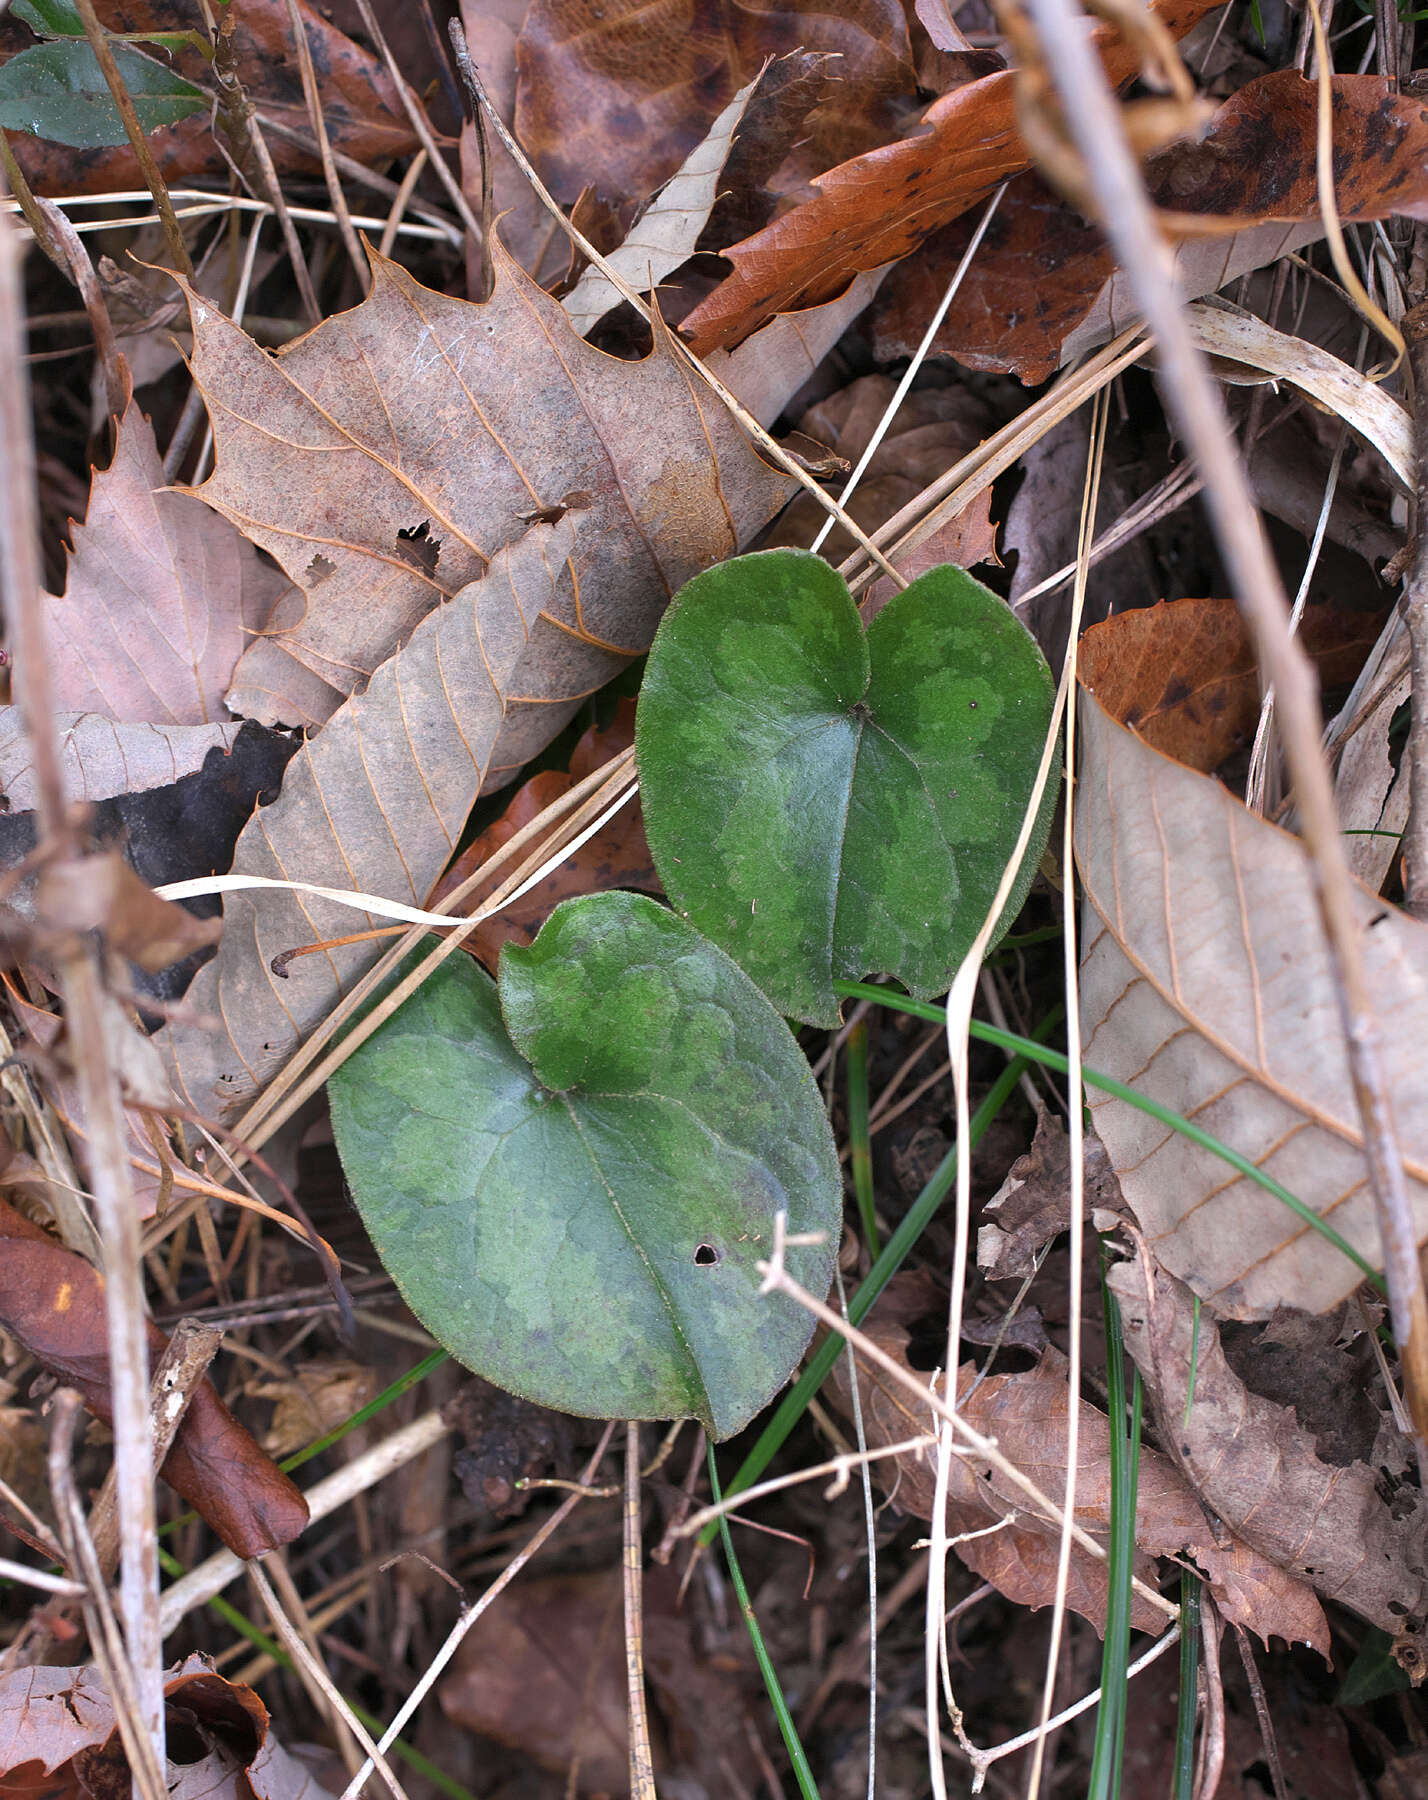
pixel 706 1256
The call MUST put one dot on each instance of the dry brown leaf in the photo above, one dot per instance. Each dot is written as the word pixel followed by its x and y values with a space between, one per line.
pixel 388 455
pixel 100 758
pixel 1257 1469
pixel 161 597
pixel 615 96
pixel 987 1518
pixel 1206 985
pixel 377 802
pixel 875 208
pixel 58 1738
pixel 363 116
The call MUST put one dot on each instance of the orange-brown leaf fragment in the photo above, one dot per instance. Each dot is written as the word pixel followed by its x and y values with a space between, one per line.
pixel 52 1303
pixel 876 208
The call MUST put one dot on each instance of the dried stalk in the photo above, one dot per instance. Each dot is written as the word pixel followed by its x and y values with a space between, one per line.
pixel 1196 410
pixel 642 1782
pixel 78 966
pixel 1415 613
pixel 324 150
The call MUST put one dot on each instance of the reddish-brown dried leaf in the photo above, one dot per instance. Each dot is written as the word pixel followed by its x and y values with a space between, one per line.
pixel 876 208
pixel 1255 1466
pixel 616 857
pixel 1042 272
pixel 1183 675
pixel 614 96
pixel 363 116
pixel 52 1302
pixel 1026 1414
pixel 59 1739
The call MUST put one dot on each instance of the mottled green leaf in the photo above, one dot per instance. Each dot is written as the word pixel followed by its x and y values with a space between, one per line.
pixel 573 1197
pixel 827 803
pixel 56 91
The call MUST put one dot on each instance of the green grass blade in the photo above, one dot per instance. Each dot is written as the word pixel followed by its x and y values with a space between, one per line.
pixel 802 1773
pixel 1107 1755
pixel 795 1402
pixel 1189 1686
pixel 1055 1059
pixel 860 1147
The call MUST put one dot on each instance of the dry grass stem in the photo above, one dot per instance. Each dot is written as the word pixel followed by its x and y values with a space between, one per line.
pixel 642 1781
pixel 329 169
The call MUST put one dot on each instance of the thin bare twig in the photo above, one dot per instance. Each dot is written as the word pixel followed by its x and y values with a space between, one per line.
pixel 324 149
pixel 642 1782
pixel 134 131
pixel 1198 414
pixel 1415 612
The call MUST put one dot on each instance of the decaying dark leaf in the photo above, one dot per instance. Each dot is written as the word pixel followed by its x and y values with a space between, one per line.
pixel 507 1439
pixel 52 1303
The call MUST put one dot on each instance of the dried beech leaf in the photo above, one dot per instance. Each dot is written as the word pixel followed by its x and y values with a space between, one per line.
pixel 667 230
pixel 1257 1469
pixel 376 801
pixel 99 758
pixel 877 207
pixel 161 597
pixel 614 97
pixel 1043 286
pixel 360 108
pixel 59 1738
pixel 1206 983
pixel 388 455
pixel 52 1304
pixel 993 1531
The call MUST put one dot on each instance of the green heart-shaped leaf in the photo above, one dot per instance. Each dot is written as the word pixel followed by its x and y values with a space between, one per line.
pixel 574 1200
pixel 827 803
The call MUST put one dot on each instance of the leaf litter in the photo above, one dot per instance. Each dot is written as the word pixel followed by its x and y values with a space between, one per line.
pixel 476 522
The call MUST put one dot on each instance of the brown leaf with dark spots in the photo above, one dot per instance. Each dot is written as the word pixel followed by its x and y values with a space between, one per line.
pixel 1183 676
pixel 616 95
pixel 363 116
pixel 988 1518
pixel 1043 273
pixel 52 1303
pixel 616 857
pixel 876 208
pixel 59 1739
pixel 1257 1469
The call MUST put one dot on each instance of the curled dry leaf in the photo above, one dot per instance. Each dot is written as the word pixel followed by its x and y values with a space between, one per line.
pixel 363 116
pixel 52 1303
pixel 1258 1470
pixel 615 97
pixel 58 1736
pixel 876 208
pixel 386 457
pixel 1033 1204
pixel 988 1520
pixel 1043 286
pixel 1206 984
pixel 616 857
